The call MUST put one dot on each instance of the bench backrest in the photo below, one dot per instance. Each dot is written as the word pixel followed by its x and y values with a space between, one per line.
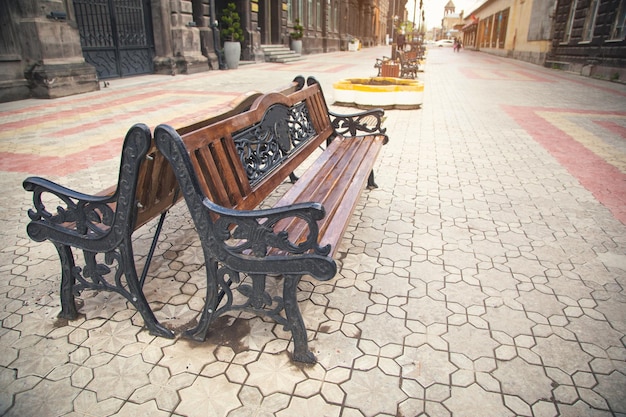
pixel 157 188
pixel 239 161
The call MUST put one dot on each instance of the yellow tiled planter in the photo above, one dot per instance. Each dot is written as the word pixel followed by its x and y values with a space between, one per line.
pixel 384 92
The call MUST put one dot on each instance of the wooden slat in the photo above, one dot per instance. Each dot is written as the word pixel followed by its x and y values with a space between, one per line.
pixel 209 176
pixel 335 180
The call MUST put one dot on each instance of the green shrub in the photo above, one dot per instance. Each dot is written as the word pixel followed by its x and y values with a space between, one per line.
pixel 231 24
pixel 298 30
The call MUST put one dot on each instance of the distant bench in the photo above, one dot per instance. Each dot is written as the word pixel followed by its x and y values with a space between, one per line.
pixel 224 170
pixel 101 225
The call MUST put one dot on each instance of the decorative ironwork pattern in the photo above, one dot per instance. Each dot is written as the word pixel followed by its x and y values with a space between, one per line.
pixel 364 123
pixel 115 36
pixel 237 242
pixel 90 224
pixel 264 146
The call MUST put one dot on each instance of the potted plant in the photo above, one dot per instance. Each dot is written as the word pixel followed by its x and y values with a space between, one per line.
pixel 353 44
pixel 232 33
pixel 296 37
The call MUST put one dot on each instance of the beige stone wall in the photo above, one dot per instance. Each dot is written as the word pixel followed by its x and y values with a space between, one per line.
pixel 520 40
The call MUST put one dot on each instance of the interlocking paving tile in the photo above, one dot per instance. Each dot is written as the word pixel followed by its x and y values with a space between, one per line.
pixel 485 276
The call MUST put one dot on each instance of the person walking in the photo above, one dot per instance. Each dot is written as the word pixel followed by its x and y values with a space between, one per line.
pixel 457 45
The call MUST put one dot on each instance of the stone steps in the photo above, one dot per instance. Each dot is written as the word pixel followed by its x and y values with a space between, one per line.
pixel 280 54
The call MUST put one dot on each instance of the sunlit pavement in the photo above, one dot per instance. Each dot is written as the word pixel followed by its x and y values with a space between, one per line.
pixel 485 277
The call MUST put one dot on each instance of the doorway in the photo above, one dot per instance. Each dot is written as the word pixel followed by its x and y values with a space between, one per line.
pixel 116 36
pixel 270 21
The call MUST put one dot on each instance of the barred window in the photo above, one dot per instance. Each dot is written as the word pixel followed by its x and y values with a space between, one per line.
pixel 318 14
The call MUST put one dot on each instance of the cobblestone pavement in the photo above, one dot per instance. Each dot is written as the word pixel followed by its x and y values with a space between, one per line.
pixel 485 277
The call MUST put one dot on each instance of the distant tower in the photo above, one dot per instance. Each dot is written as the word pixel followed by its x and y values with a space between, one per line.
pixel 449 9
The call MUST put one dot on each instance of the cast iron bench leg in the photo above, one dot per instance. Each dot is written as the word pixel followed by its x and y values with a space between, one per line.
pixel 301 351
pixel 68 302
pixel 139 299
pixel 209 310
pixel 370 181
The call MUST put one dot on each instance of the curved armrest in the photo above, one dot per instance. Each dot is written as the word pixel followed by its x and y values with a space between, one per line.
pixel 259 231
pixel 83 209
pixel 367 122
pixel 380 61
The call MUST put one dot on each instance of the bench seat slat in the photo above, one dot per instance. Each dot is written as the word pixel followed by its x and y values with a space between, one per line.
pixel 346 165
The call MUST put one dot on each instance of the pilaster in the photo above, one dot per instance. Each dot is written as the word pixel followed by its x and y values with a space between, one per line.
pixel 181 52
pixel 51 53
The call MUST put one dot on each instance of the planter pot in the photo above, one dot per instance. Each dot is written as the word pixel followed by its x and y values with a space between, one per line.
pixel 232 53
pixel 353 46
pixel 296 46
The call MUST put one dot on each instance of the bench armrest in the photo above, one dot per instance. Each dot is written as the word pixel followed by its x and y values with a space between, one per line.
pixel 367 122
pixel 84 210
pixel 380 61
pixel 258 231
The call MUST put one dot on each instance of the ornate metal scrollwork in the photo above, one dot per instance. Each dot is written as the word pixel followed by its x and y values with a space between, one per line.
pixel 364 123
pixel 265 145
pixel 239 243
pixel 100 227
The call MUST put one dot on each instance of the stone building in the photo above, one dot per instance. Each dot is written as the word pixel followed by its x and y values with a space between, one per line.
pixel 589 37
pixel 584 36
pixel 450 22
pixel 519 29
pixel 54 48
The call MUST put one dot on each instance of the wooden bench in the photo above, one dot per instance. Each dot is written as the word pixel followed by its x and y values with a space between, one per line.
pixel 101 225
pixel 409 64
pixel 227 169
pixel 380 62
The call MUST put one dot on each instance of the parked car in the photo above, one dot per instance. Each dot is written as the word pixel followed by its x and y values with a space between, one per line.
pixel 444 42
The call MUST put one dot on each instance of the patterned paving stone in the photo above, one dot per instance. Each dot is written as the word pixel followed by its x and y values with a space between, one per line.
pixel 373 392
pixel 484 277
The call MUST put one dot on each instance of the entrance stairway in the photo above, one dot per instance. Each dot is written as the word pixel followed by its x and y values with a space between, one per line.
pixel 280 53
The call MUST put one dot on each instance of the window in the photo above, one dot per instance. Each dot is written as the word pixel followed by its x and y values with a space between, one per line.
pixel 309 14
pixel 495 28
pixel 618 30
pixel 590 21
pixel 503 22
pixel 567 34
pixel 486 31
pixel 318 14
pixel 289 11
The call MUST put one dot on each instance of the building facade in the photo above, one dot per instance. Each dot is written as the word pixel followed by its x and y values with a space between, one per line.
pixel 54 48
pixel 519 29
pixel 590 38
pixel 584 36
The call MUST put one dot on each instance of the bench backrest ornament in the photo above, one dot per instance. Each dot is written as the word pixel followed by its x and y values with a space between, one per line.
pixel 265 145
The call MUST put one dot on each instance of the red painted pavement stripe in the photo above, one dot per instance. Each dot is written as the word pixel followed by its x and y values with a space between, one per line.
pixel 58 165
pixel 115 119
pixel 612 127
pixel 603 180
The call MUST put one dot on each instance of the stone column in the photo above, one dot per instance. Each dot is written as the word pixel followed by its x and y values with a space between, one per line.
pixel 176 38
pixel 51 51
pixel 202 17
